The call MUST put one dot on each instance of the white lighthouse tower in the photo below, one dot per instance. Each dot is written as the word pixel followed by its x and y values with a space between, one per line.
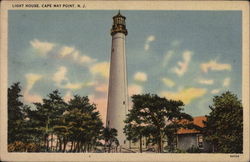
pixel 118 90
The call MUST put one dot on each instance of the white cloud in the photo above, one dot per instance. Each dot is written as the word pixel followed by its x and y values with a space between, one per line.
pixel 101 88
pixel 215 91
pixel 67 96
pixel 205 81
pixel 43 48
pixel 73 86
pixel 214 66
pixel 86 59
pixel 140 76
pixel 149 39
pixel 101 68
pixel 168 82
pixel 183 65
pixel 226 82
pixel 60 75
pixel 66 50
pixel 31 79
pixel 62 81
pixel 134 89
pixel 75 55
pixel 167 57
pixel 31 98
pixel 186 95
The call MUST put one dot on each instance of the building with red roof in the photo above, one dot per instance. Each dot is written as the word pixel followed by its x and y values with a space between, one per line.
pixel 187 138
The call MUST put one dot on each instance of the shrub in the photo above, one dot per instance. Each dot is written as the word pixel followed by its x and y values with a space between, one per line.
pixel 193 150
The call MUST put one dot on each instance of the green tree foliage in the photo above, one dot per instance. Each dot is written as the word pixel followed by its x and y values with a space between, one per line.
pixel 153 117
pixel 53 124
pixel 15 114
pixel 48 113
pixel 224 125
pixel 83 124
pixel 109 136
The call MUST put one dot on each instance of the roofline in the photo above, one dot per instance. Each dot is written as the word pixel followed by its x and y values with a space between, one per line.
pixel 199 116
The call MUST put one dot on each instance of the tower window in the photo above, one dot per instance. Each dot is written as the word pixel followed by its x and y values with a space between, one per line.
pixel 123 102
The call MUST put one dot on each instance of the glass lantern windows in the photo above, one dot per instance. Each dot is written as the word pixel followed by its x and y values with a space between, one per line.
pixel 119 20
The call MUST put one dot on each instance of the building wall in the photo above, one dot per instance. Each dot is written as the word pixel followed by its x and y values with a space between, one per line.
pixel 186 141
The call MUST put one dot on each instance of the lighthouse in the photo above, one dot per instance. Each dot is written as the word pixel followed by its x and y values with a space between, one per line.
pixel 118 90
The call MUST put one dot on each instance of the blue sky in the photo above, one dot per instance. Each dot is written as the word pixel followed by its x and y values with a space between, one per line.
pixel 186 55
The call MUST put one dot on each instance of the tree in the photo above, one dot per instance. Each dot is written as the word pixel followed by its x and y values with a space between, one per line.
pixel 15 114
pixel 83 123
pixel 48 113
pixel 153 114
pixel 109 135
pixel 224 125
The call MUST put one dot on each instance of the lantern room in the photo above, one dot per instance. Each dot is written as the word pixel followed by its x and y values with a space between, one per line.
pixel 119 24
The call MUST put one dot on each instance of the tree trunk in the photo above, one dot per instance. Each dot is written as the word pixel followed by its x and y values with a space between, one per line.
pixel 88 147
pixel 57 142
pixel 51 143
pixel 47 145
pixel 109 148
pixel 72 144
pixel 60 144
pixel 79 146
pixel 64 144
pixel 45 141
pixel 140 144
pixel 159 144
pixel 76 146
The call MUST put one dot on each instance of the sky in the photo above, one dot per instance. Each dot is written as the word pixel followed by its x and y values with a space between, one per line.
pixel 181 55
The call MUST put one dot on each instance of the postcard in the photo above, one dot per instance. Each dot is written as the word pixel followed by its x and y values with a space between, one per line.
pixel 124 81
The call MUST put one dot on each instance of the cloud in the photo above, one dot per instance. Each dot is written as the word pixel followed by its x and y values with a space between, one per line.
pixel 67 96
pixel 226 82
pixel 140 76
pixel 43 48
pixel 215 91
pixel 60 75
pixel 185 95
pixel 101 88
pixel 101 69
pixel 62 81
pixel 183 65
pixel 66 50
pixel 73 86
pixel 31 98
pixel 75 55
pixel 167 57
pixel 31 79
pixel 168 82
pixel 150 39
pixel 205 81
pixel 86 59
pixel 134 89
pixel 214 66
